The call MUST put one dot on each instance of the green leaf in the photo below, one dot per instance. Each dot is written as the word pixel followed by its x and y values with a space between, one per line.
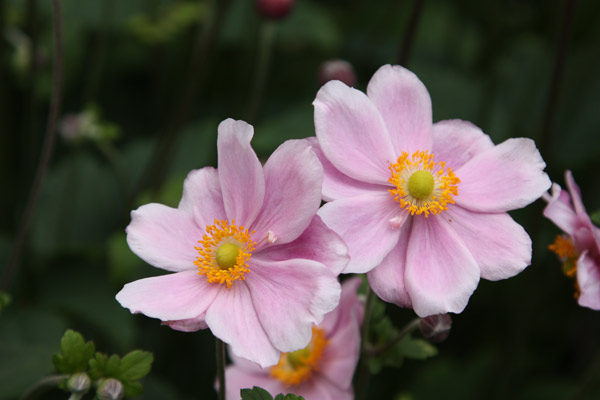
pixel 417 349
pixel 288 396
pixel 98 366
pixel 256 393
pixel 132 389
pixel 75 355
pixel 5 300
pixel 595 216
pixel 135 365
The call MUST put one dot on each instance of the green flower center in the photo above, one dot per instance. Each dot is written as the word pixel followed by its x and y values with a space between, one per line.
pixel 227 255
pixel 298 358
pixel 421 184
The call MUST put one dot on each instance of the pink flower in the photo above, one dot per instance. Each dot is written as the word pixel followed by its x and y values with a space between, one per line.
pixel 579 249
pixel 250 259
pixel 426 227
pixel 323 370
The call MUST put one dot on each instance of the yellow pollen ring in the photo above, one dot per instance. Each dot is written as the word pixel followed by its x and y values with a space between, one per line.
pixel 422 185
pixel 224 252
pixel 564 248
pixel 298 366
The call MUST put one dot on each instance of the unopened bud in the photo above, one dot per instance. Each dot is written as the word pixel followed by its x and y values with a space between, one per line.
pixel 110 389
pixel 275 9
pixel 436 328
pixel 337 70
pixel 79 383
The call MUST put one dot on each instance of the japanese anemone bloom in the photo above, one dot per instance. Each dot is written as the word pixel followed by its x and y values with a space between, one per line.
pixel 579 247
pixel 421 206
pixel 322 370
pixel 251 259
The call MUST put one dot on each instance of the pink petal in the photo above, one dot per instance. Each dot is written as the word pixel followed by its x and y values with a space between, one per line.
pixel 575 194
pixel 588 278
pixel 341 354
pixel 289 297
pixel 507 177
pixel 352 133
pixel 202 196
pixel 319 387
pixel 164 237
pixel 178 296
pixel 500 246
pixel 187 325
pixel 387 279
pixel 441 274
pixel 405 105
pixel 456 142
pixel 363 222
pixel 293 178
pixel 337 184
pixel 237 379
pixel 560 211
pixel 318 243
pixel 232 318
pixel 240 172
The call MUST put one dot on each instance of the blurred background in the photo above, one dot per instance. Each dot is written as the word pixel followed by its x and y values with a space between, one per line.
pixel 145 84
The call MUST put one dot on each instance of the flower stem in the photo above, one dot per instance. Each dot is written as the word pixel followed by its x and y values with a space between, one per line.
pixel 267 33
pixel 362 377
pixel 44 162
pixel 42 386
pixel 220 347
pixel 410 32
pixel 408 328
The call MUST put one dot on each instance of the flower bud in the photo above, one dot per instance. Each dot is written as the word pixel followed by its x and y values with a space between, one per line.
pixel 337 70
pixel 436 328
pixel 274 9
pixel 110 389
pixel 79 383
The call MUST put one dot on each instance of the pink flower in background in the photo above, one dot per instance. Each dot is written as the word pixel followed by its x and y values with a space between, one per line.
pixel 323 370
pixel 250 259
pixel 421 206
pixel 579 248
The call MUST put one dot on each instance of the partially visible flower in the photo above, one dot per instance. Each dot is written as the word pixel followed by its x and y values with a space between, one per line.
pixel 275 9
pixel 579 247
pixel 337 70
pixel 436 328
pixel 110 389
pixel 251 259
pixel 79 383
pixel 323 370
pixel 86 125
pixel 422 207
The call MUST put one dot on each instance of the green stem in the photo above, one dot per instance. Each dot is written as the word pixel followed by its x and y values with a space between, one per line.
pixel 220 347
pixel 42 386
pixel 408 328
pixel 267 34
pixel 362 377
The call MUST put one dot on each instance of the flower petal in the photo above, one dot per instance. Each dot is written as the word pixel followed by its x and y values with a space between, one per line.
pixel 500 246
pixel 232 318
pixel 187 325
pixel 349 307
pixel 318 243
pixel 337 184
pixel 202 196
pixel 575 194
pixel 237 379
pixel 588 278
pixel 240 172
pixel 387 279
pixel 441 274
pixel 363 222
pixel 456 141
pixel 560 211
pixel 164 237
pixel 507 177
pixel 293 178
pixel 289 297
pixel 178 296
pixel 352 133
pixel 405 105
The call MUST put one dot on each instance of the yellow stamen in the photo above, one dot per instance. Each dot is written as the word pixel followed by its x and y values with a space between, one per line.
pixel 225 251
pixel 298 366
pixel 423 186
pixel 564 248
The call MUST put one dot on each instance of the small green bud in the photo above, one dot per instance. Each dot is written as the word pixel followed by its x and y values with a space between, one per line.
pixel 79 383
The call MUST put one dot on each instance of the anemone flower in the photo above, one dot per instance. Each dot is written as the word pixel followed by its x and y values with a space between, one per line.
pixel 250 258
pixel 421 206
pixel 579 247
pixel 322 370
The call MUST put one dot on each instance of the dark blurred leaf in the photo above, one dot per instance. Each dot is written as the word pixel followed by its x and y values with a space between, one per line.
pixel 123 264
pixel 75 353
pixel 596 217
pixel 256 393
pixel 288 396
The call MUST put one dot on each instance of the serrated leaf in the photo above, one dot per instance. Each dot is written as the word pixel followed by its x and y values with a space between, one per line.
pixel 132 389
pixel 98 366
pixel 75 353
pixel 256 393
pixel 135 365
